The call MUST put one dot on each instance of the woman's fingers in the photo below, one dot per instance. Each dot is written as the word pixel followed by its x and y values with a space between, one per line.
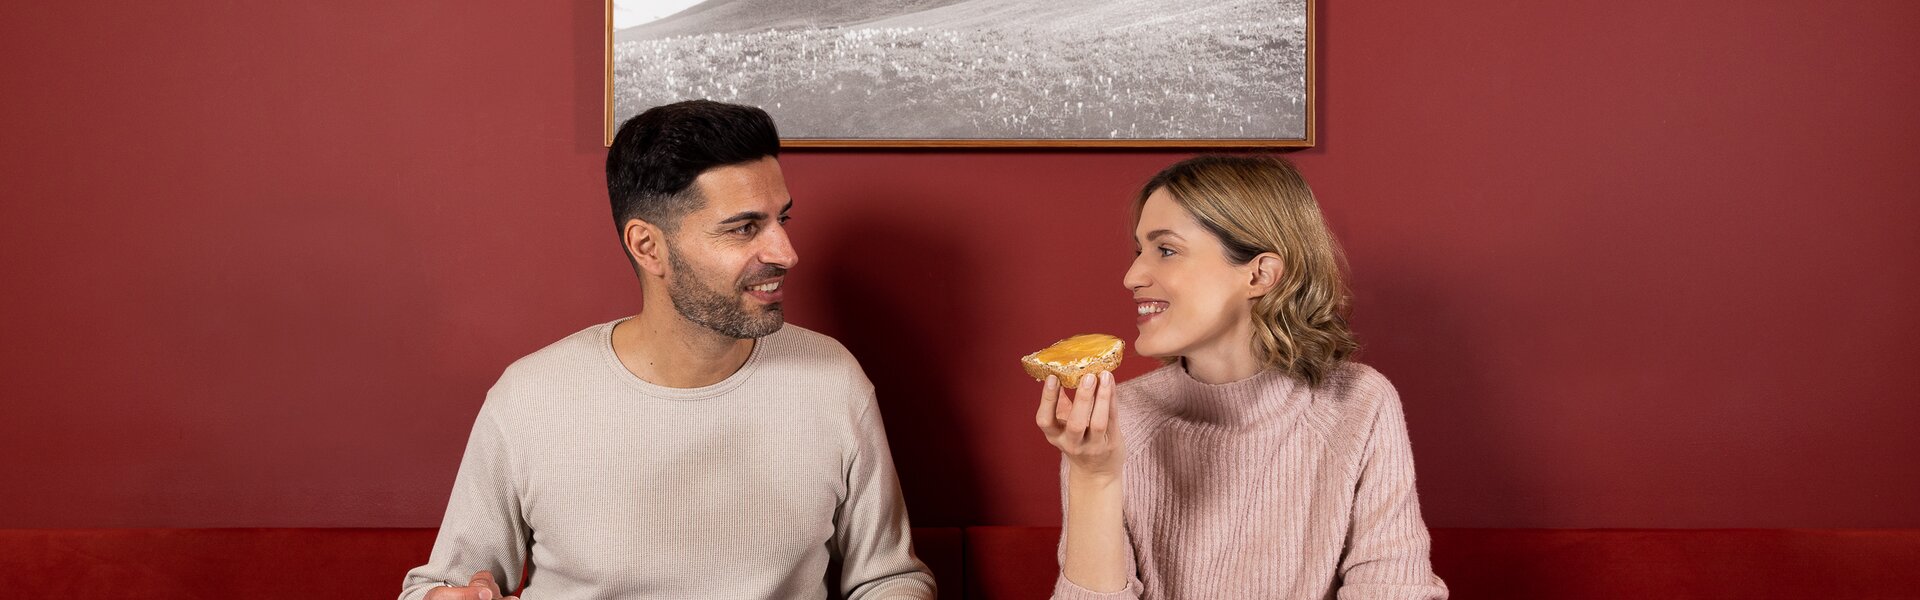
pixel 1064 410
pixel 1102 407
pixel 1049 398
pixel 1082 406
pixel 485 579
pixel 1081 422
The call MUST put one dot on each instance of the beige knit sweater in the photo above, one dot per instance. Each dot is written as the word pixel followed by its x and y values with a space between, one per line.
pixel 1268 488
pixel 775 483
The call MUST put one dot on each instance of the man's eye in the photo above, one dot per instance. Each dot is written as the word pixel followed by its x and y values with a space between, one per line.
pixel 784 219
pixel 747 229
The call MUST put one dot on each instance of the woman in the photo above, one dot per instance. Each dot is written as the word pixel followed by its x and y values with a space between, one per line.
pixel 1259 462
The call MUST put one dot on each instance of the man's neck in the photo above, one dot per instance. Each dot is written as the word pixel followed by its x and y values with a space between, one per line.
pixel 663 348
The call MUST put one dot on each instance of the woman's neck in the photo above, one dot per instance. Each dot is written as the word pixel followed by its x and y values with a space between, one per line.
pixel 1227 360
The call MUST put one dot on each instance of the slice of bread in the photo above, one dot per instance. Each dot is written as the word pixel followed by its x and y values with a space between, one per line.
pixel 1073 357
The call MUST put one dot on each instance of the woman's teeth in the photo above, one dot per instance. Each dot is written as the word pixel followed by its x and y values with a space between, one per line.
pixel 1151 309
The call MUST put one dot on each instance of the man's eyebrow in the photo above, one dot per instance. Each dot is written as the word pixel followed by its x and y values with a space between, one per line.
pixel 754 215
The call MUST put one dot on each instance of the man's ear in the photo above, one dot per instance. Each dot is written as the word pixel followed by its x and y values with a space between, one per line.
pixel 646 246
pixel 1266 269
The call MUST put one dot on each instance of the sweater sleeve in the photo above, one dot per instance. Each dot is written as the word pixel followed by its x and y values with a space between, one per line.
pixel 483 529
pixel 1387 546
pixel 1066 589
pixel 872 540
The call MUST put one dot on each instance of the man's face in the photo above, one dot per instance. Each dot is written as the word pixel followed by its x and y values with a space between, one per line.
pixel 729 257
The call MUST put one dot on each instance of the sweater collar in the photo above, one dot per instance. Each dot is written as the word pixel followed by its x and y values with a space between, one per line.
pixel 1257 398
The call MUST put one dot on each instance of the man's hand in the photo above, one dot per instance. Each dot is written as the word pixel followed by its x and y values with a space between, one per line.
pixel 1084 427
pixel 481 587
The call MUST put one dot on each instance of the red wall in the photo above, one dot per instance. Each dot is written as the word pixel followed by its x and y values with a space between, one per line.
pixel 1631 263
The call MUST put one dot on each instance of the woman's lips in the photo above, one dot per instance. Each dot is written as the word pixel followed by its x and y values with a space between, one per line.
pixel 1146 309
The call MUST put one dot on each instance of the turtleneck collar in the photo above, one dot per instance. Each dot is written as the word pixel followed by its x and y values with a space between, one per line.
pixel 1252 400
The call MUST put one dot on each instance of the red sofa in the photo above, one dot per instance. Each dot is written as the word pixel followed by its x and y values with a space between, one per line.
pixel 1018 562
pixel 995 562
pixel 225 564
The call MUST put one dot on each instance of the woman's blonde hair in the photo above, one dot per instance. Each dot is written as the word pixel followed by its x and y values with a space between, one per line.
pixel 1262 204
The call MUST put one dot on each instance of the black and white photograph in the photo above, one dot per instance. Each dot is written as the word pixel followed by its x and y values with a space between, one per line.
pixel 977 72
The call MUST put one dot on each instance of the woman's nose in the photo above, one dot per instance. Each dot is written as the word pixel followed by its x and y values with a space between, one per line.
pixel 1136 276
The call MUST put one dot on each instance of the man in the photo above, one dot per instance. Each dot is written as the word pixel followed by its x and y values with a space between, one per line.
pixel 698 449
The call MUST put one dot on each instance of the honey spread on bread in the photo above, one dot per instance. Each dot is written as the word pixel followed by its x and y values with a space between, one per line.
pixel 1073 357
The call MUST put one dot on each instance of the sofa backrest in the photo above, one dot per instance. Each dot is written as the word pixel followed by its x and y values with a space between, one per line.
pixel 170 564
pixel 996 562
pixel 1571 564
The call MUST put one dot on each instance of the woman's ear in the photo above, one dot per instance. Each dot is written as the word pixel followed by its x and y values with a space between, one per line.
pixel 1266 270
pixel 646 246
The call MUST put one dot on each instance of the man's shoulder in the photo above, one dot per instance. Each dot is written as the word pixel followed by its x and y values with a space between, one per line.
pixel 807 348
pixel 797 338
pixel 582 352
pixel 813 369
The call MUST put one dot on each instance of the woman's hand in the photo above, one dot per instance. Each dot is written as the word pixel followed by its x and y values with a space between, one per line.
pixel 1084 427
pixel 481 587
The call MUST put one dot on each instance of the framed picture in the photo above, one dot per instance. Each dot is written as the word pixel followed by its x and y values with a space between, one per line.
pixel 883 73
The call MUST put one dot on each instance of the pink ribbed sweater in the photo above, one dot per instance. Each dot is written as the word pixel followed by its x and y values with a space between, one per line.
pixel 1268 488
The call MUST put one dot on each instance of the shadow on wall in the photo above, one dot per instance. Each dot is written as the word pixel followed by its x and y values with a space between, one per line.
pixel 888 326
pixel 1467 445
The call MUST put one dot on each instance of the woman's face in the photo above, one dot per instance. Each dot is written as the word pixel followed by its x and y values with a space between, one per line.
pixel 1188 297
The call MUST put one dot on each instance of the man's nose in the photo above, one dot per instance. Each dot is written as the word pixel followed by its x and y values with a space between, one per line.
pixel 779 250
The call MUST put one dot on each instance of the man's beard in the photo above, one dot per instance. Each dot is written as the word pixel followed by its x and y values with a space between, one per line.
pixel 721 311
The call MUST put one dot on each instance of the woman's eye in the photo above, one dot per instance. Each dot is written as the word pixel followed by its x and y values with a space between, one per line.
pixel 1165 252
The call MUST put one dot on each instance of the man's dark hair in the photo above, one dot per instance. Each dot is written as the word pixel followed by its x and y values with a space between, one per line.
pixel 656 156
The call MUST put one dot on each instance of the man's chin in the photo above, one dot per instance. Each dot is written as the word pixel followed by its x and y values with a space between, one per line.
pixel 770 320
pixel 775 320
pixel 764 310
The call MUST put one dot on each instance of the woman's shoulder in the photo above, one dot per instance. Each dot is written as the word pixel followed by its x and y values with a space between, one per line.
pixel 1356 382
pixel 1348 400
pixel 1143 389
pixel 1142 402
